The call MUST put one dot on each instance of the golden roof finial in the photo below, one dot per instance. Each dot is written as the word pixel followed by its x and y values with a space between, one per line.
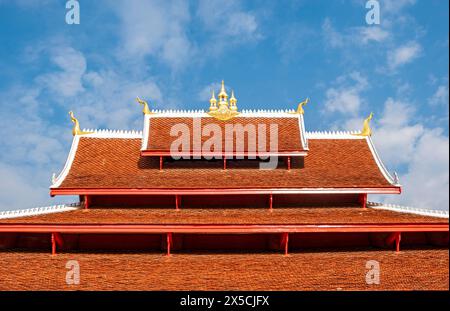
pixel 76 128
pixel 233 102
pixel 300 107
pixel 366 131
pixel 223 94
pixel 213 102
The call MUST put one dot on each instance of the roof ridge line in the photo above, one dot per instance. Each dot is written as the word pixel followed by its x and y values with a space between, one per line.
pixel 39 210
pixel 409 209
pixel 111 132
pixel 243 113
pixel 333 134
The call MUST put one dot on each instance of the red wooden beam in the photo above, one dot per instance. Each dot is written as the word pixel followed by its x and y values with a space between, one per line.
pixel 160 163
pixel 289 163
pixel 224 163
pixel 129 228
pixel 271 202
pixel 142 191
pixel 168 153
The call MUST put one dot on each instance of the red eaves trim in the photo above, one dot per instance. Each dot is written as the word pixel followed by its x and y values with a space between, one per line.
pixel 421 227
pixel 167 153
pixel 119 191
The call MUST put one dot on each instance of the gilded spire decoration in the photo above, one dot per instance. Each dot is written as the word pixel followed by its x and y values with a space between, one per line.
pixel 366 131
pixel 300 109
pixel 76 128
pixel 146 109
pixel 233 102
pixel 225 111
pixel 213 102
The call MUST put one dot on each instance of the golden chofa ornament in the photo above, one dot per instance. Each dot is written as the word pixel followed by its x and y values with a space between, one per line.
pixel 76 130
pixel 300 109
pixel 145 109
pixel 366 130
pixel 223 110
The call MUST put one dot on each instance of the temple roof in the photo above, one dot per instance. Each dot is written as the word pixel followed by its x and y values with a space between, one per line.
pixel 112 160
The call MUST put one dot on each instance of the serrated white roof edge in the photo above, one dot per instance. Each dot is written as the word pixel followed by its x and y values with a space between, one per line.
pixel 246 113
pixel 408 209
pixel 39 210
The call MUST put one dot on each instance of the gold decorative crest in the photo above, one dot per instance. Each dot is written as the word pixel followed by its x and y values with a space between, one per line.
pixel 225 111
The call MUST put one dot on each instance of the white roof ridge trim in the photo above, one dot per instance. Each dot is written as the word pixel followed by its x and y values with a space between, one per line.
pixel 269 113
pixel 39 210
pixel 107 133
pixel 333 135
pixel 408 209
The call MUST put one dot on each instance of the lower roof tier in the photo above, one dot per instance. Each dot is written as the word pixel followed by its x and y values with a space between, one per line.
pixel 115 165
pixel 236 216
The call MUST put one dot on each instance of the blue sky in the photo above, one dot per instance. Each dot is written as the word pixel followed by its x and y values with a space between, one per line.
pixel 272 53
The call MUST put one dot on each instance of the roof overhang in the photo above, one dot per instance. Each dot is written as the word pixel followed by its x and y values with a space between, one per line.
pixel 331 228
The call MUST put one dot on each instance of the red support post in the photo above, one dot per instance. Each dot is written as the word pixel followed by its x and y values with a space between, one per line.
pixel 285 243
pixel 363 200
pixel 53 244
pixel 224 163
pixel 288 163
pixel 271 202
pixel 177 202
pixel 86 202
pixel 160 163
pixel 169 243
pixel 394 237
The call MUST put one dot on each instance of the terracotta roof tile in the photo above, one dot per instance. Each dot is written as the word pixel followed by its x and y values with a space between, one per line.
pixel 423 269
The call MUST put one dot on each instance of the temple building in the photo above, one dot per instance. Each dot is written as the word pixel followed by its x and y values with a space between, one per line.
pixel 247 181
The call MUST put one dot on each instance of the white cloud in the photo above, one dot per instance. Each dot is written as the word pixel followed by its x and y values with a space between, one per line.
pixel 346 96
pixel 395 6
pixel 419 153
pixel 426 182
pixel 67 81
pixel 227 20
pixel 394 135
pixel 373 33
pixel 403 55
pixel 155 28
pixel 440 97
pixel 353 36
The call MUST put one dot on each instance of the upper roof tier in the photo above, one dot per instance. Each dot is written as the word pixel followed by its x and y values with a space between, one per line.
pixel 236 134
pixel 111 163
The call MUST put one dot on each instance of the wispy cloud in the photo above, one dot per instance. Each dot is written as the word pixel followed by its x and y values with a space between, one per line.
pixel 345 96
pixel 403 55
